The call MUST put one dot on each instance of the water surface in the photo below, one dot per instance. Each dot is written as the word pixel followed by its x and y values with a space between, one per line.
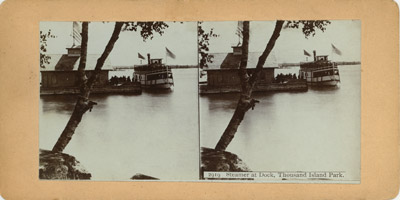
pixel 155 133
pixel 289 131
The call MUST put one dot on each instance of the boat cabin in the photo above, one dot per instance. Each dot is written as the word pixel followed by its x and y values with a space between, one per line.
pixel 156 61
pixel 152 65
pixel 319 61
pixel 322 58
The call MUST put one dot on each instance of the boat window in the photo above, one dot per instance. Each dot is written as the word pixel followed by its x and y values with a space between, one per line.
pixel 156 76
pixel 323 73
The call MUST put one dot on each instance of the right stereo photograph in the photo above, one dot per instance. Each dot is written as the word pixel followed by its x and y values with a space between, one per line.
pixel 279 101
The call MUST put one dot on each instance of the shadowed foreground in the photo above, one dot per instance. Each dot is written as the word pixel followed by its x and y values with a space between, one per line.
pixel 221 161
pixel 139 176
pixel 60 166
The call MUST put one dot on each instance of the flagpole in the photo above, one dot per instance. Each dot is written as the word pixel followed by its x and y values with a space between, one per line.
pixel 166 57
pixel 73 39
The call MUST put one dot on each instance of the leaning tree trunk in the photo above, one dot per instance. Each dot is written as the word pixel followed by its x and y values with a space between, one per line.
pixel 83 103
pixel 247 84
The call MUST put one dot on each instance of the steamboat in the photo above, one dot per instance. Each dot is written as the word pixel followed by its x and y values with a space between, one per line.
pixel 154 74
pixel 320 72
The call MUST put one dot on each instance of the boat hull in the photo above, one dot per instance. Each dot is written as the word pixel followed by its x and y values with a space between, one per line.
pixel 325 83
pixel 159 86
pixel 158 83
pixel 332 80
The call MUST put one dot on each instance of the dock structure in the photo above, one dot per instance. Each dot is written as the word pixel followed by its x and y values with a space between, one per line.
pixel 60 75
pixel 132 88
pixel 297 85
pixel 222 74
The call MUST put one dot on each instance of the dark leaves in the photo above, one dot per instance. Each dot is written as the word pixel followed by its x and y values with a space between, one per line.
pixel 203 43
pixel 43 36
pixel 146 29
pixel 308 27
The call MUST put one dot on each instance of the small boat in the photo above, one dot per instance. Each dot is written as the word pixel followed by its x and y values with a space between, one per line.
pixel 320 72
pixel 154 74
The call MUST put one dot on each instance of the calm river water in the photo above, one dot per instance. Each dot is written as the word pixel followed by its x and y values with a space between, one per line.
pixel 293 131
pixel 157 134
pixel 153 133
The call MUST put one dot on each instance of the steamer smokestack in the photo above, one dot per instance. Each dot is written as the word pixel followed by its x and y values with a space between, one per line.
pixel 148 58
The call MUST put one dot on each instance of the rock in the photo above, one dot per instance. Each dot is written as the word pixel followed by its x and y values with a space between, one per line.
pixel 139 176
pixel 60 166
pixel 217 161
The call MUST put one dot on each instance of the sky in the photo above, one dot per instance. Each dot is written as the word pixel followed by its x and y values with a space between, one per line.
pixel 181 39
pixel 344 34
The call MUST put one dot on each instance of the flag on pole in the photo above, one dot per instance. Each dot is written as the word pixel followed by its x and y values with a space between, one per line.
pixel 239 31
pixel 140 56
pixel 336 50
pixel 306 53
pixel 76 34
pixel 169 53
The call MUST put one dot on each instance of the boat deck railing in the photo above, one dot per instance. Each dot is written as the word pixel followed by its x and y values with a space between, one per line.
pixel 152 71
pixel 318 68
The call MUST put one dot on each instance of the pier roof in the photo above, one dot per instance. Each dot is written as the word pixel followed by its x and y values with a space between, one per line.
pixel 63 62
pixel 231 61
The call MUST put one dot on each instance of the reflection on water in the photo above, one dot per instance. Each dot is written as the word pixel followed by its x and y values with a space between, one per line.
pixel 314 130
pixel 68 102
pixel 154 133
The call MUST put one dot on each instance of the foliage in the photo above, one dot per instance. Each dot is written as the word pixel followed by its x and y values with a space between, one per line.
pixel 308 26
pixel 44 59
pixel 203 43
pixel 146 28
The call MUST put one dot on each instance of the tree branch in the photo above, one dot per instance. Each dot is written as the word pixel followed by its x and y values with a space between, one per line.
pixel 82 61
pixel 243 60
pixel 267 51
pixel 107 51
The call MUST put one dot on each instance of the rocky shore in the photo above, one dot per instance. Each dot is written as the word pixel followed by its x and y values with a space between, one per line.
pixel 60 166
pixel 139 176
pixel 65 167
pixel 221 161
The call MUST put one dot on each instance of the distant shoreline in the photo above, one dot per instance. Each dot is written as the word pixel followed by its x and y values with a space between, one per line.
pixel 117 68
pixel 339 63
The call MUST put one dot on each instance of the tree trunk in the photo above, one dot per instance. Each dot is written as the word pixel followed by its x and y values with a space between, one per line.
pixel 247 84
pixel 83 104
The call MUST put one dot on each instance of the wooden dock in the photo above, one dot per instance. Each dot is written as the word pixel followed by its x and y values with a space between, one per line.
pixel 291 86
pixel 132 88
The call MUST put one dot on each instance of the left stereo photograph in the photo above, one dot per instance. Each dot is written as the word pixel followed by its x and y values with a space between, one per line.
pixel 118 101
